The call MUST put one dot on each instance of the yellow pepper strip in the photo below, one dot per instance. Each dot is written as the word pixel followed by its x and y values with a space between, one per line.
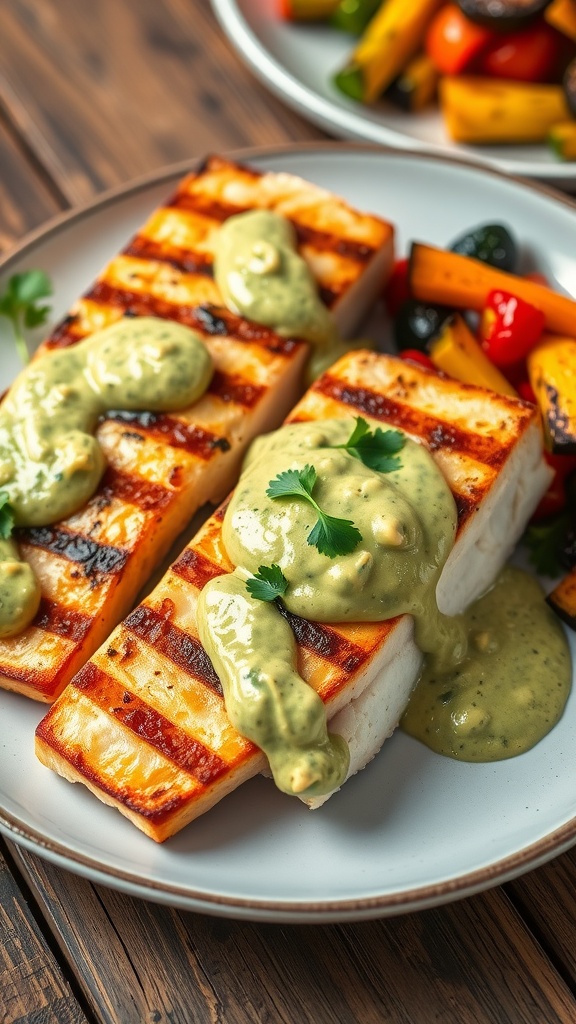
pixel 552 372
pixel 496 110
pixel 561 14
pixel 458 354
pixel 394 35
pixel 562 139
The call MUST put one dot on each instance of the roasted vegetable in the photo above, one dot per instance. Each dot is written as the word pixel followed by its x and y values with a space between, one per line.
pixel 569 83
pixel 537 53
pixel 494 110
pixel 563 599
pixel 562 140
pixel 416 85
pixel 353 15
pixel 490 243
pixel 453 42
pixel 552 369
pixel 418 323
pixel 456 352
pixel 562 15
pixel 447 277
pixel 509 328
pixel 502 15
pixel 393 36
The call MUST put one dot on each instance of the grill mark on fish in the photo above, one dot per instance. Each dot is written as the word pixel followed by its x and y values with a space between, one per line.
pixel 233 388
pixel 145 304
pixel 169 431
pixel 326 642
pixel 195 568
pixel 65 622
pixel 95 559
pixel 132 712
pixel 133 490
pixel 183 649
pixel 185 260
pixel 324 241
pixel 437 433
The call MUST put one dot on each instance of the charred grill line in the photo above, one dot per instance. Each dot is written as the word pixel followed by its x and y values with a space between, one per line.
pixel 65 622
pixel 170 431
pixel 95 559
pixel 180 647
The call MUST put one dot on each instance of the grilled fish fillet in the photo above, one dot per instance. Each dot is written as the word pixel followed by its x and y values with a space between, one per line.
pixel 143 724
pixel 162 468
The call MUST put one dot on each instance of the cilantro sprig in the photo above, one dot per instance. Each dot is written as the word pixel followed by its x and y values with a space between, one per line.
pixel 6 516
pixel 268 584
pixel 331 536
pixel 19 303
pixel 377 448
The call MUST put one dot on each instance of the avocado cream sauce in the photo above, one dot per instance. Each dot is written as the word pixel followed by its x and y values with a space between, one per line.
pixel 407 519
pixel 511 688
pixel 50 461
pixel 262 277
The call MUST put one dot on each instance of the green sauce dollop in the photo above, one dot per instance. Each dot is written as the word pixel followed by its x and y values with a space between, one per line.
pixel 407 519
pixel 262 277
pixel 50 461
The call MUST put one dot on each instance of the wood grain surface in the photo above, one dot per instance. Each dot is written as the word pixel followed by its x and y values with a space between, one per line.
pixel 93 93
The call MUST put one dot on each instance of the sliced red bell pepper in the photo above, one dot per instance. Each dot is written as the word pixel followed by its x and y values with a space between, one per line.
pixel 414 355
pixel 509 328
pixel 536 53
pixel 453 41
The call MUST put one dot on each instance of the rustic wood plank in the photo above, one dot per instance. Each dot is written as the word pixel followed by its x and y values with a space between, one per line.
pixel 547 900
pixel 104 91
pixel 26 199
pixel 470 963
pixel 32 986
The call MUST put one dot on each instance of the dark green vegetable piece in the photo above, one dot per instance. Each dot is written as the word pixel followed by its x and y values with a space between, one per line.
pixel 354 15
pixel 419 323
pixel 490 243
pixel 502 15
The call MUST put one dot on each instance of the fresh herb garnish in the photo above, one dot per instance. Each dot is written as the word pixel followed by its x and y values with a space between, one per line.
pixel 331 536
pixel 268 583
pixel 376 449
pixel 19 304
pixel 545 542
pixel 6 516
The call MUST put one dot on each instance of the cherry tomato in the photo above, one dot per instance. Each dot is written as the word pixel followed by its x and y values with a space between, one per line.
pixel 453 41
pixel 536 53
pixel 509 327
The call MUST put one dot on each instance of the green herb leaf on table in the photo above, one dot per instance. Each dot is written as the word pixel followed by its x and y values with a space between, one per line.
pixel 6 517
pixel 268 584
pixel 19 303
pixel 544 542
pixel 377 448
pixel 331 536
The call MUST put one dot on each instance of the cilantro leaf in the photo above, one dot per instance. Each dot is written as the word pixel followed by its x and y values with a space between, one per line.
pixel 544 542
pixel 331 536
pixel 19 304
pixel 376 449
pixel 268 583
pixel 6 517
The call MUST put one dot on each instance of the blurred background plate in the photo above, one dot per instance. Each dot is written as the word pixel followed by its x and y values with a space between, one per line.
pixel 296 61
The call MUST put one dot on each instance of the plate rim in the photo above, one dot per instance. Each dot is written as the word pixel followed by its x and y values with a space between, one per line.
pixel 527 858
pixel 329 115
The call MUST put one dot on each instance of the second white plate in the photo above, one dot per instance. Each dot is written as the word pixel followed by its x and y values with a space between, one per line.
pixel 297 63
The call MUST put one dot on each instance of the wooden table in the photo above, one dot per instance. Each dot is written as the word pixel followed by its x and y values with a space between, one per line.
pixel 93 93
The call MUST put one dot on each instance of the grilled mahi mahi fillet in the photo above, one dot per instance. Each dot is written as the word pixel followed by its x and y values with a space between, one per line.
pixel 162 468
pixel 143 724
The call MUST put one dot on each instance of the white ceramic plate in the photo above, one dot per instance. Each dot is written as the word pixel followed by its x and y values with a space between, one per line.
pixel 414 829
pixel 297 61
